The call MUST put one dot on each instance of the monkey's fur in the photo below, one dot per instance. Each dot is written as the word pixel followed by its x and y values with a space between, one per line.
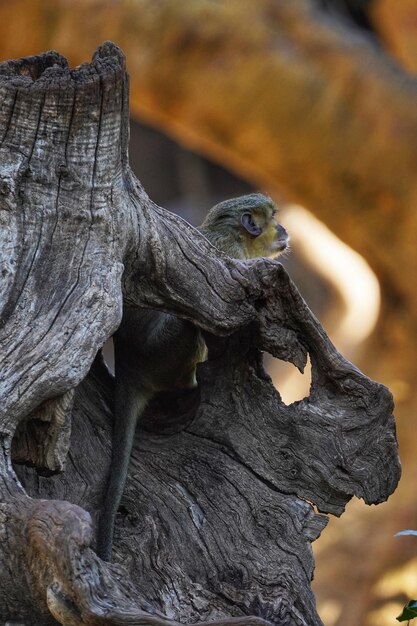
pixel 156 351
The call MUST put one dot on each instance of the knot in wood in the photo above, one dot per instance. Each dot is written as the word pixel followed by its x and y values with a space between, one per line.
pixel 5 188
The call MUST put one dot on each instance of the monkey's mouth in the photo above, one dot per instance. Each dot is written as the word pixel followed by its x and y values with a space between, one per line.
pixel 279 245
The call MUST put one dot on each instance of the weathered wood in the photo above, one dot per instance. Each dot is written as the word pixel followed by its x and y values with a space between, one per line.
pixel 216 522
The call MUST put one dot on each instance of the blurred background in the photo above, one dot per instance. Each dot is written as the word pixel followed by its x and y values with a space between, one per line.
pixel 315 103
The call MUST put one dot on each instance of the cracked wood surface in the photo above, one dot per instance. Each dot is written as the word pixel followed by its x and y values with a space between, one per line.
pixel 217 521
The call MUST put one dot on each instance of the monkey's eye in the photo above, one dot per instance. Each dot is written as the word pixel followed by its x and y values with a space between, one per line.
pixel 249 225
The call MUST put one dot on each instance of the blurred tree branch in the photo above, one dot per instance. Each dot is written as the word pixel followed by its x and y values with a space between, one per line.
pixel 396 22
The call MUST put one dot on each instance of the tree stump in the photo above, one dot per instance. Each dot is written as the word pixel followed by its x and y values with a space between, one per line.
pixel 218 516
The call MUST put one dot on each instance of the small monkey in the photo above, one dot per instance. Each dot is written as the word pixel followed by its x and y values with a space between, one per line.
pixel 156 351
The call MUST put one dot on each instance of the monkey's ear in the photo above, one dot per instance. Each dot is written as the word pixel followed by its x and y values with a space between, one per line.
pixel 249 225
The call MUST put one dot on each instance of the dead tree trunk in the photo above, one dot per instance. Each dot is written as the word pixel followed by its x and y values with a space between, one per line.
pixel 216 522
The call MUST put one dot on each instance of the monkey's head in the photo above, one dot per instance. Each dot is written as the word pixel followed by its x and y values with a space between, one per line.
pixel 245 227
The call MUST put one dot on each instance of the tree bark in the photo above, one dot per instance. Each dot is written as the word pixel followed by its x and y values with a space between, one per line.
pixel 216 522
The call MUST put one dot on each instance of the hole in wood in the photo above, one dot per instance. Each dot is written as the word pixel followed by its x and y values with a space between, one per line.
pixel 291 384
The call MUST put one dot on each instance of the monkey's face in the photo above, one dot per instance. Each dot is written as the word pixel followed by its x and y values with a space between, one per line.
pixel 263 235
pixel 245 227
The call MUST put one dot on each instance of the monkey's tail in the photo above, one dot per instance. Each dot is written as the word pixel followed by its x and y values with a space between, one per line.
pixel 129 406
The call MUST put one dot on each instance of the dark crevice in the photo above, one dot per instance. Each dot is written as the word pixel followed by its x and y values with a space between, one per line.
pixel 11 116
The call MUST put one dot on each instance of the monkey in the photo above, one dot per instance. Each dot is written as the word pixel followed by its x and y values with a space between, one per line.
pixel 156 351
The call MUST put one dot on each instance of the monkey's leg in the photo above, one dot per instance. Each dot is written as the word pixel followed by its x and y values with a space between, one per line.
pixel 130 402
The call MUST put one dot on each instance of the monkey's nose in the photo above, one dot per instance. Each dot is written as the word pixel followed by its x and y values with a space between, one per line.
pixel 281 232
